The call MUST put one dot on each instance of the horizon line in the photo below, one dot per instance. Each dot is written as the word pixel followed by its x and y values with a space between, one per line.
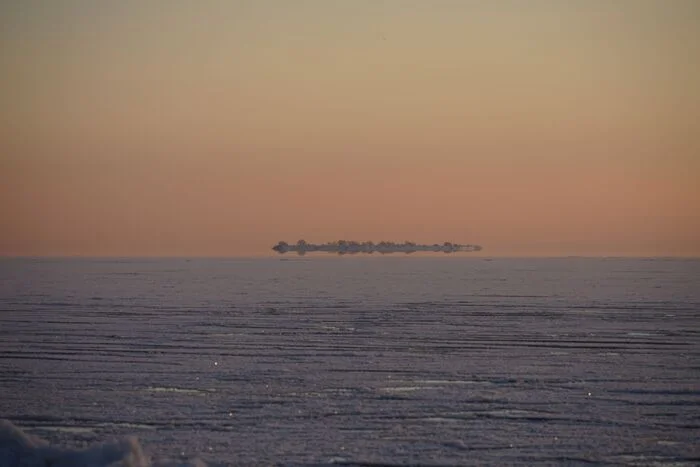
pixel 474 255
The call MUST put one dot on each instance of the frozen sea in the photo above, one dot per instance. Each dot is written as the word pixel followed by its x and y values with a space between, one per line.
pixel 392 360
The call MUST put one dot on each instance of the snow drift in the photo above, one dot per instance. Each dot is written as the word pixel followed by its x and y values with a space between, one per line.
pixel 20 449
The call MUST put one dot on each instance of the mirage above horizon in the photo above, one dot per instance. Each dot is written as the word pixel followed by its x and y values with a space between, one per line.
pixel 343 247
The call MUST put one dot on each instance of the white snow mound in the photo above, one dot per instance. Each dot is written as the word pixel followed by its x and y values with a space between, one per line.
pixel 20 449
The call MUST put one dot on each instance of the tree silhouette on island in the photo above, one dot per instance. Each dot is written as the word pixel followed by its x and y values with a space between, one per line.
pixel 343 247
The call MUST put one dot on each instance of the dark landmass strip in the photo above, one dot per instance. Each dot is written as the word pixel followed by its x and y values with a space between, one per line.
pixel 343 247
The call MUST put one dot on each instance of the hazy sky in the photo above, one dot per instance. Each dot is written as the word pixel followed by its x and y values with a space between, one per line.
pixel 220 127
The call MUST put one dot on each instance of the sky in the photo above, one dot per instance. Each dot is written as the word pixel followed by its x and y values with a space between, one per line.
pixel 217 128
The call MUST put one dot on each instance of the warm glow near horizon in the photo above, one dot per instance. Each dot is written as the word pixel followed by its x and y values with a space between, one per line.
pixel 221 127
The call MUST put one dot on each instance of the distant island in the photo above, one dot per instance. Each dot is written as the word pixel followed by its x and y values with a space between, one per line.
pixel 343 247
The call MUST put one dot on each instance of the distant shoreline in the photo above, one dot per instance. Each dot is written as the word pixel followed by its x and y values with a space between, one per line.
pixel 349 247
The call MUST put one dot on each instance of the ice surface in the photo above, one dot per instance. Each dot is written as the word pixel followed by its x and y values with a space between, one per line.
pixel 427 361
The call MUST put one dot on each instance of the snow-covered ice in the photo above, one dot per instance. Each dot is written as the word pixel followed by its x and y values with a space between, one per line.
pixel 350 360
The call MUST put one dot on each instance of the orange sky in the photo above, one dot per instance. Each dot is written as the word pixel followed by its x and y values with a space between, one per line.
pixel 221 127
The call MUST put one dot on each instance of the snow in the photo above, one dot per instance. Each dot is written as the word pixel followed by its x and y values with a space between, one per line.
pixel 349 360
